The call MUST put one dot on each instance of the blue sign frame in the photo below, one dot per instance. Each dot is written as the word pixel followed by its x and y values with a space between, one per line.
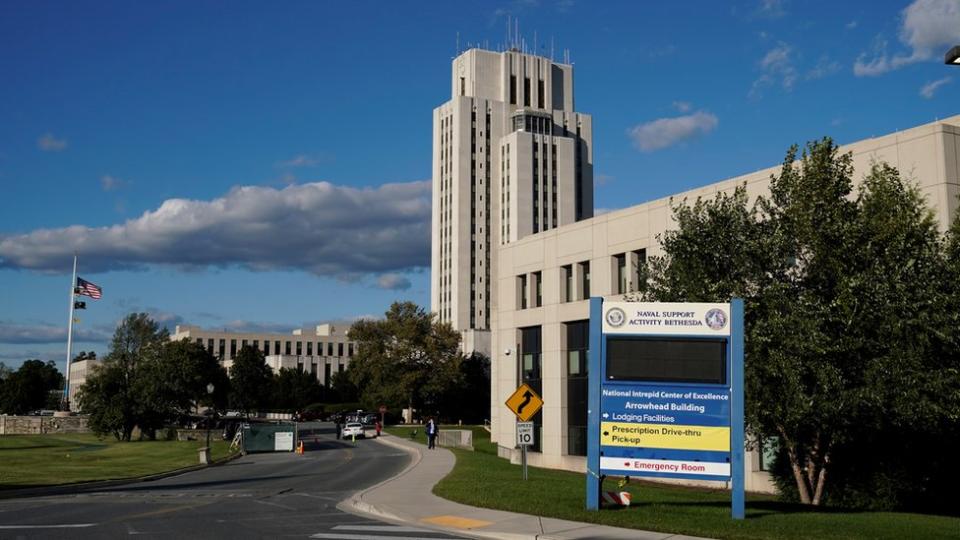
pixel 703 407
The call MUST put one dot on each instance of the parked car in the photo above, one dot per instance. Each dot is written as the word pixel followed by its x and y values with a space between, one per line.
pixel 353 429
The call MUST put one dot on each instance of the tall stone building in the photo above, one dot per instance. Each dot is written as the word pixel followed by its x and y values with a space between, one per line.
pixel 511 158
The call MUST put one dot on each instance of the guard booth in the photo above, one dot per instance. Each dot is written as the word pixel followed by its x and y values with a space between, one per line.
pixel 666 394
pixel 269 437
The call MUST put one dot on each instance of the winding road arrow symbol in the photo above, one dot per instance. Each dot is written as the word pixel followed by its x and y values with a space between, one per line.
pixel 527 396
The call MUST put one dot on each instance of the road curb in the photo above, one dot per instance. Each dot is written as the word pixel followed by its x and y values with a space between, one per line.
pixel 80 487
pixel 355 503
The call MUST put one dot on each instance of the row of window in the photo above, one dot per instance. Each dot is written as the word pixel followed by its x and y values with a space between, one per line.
pixel 288 347
pixel 575 280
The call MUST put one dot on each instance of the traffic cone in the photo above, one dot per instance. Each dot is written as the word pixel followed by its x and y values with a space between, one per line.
pixel 300 448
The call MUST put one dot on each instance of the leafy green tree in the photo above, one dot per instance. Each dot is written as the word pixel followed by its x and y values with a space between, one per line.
pixel 844 303
pixel 251 380
pixel 294 389
pixel 405 360
pixel 111 394
pixel 29 388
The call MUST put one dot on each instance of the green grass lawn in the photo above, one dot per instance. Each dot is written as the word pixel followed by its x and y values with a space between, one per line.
pixel 44 460
pixel 482 479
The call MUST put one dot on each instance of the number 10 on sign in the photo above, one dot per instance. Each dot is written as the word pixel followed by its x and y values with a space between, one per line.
pixel 525 433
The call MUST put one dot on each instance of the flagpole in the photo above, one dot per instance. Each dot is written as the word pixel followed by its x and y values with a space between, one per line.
pixel 73 288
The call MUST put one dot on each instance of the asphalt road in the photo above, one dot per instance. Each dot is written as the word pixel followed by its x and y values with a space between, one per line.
pixel 282 495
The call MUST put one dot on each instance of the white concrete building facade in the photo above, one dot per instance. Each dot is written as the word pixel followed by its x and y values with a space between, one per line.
pixel 511 158
pixel 321 351
pixel 535 273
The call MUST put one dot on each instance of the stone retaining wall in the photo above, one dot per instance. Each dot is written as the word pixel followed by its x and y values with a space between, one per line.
pixel 37 425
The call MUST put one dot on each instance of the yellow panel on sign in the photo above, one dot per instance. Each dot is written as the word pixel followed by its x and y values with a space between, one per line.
pixel 665 436
pixel 524 403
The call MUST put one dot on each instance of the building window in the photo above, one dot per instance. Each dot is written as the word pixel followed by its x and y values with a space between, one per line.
pixel 540 101
pixel 566 274
pixel 299 348
pixel 243 343
pixel 287 348
pixel 330 349
pixel 585 278
pixel 620 264
pixel 538 289
pixel 309 348
pixel 530 358
pixel 210 345
pixel 339 349
pixel 577 345
pixel 526 91
pixel 276 347
pixel 640 261
pixel 200 341
pixel 522 291
pixel 350 350
pixel 463 86
pixel 320 349
pixel 223 345
pixel 313 368
pixel 266 348
pixel 513 89
pixel 256 344
pixel 326 374
pixel 233 348
pixel 300 366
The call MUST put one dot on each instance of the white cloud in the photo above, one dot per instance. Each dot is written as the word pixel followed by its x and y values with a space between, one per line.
pixel 111 183
pixel 393 282
pixel 321 228
pixel 929 89
pixel 775 66
pixel 665 132
pixel 306 160
pixel 49 143
pixel 928 27
pixel 771 9
pixel 825 66
pixel 851 25
pixel 682 106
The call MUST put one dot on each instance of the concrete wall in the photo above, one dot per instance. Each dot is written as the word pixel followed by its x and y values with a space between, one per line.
pixel 38 425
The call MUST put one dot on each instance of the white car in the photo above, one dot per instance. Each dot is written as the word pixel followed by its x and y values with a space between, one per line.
pixel 353 429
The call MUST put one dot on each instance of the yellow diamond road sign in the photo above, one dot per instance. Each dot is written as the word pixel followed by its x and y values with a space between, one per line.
pixel 524 403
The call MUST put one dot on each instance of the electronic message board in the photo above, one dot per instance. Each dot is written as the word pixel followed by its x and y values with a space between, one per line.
pixel 666 393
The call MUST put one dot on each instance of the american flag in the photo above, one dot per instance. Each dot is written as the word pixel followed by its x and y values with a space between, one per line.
pixel 89 289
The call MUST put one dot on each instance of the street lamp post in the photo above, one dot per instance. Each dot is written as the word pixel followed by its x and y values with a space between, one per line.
pixel 953 56
pixel 210 394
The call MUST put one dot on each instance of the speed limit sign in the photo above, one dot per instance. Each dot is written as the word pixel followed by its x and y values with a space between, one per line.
pixel 525 433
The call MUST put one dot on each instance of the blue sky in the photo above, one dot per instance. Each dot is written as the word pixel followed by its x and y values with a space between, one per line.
pixel 263 166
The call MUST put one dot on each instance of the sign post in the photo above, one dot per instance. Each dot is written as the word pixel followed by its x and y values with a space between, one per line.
pixel 666 394
pixel 525 403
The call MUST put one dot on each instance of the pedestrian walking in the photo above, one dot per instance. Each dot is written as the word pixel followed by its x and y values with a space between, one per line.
pixel 379 427
pixel 337 425
pixel 432 431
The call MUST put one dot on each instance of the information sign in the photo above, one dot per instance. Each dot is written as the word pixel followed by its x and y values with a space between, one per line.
pixel 666 393
pixel 283 441
pixel 525 433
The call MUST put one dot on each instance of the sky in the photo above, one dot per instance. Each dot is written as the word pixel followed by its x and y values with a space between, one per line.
pixel 257 166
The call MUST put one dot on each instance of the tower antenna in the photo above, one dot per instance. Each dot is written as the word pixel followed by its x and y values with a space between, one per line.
pixel 458 43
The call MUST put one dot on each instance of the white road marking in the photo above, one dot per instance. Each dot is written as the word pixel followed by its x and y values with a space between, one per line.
pixel 380 528
pixel 372 537
pixel 63 526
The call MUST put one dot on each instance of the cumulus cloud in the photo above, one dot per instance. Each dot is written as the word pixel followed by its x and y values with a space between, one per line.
pixel 44 333
pixel 927 27
pixel 49 143
pixel 321 228
pixel 665 132
pixel 393 282
pixel 682 106
pixel 929 89
pixel 825 66
pixel 771 9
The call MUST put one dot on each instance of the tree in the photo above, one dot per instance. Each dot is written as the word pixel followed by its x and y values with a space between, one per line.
pixel 251 380
pixel 405 360
pixel 110 395
pixel 294 389
pixel 29 387
pixel 844 302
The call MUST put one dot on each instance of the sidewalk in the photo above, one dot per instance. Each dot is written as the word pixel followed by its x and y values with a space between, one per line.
pixel 408 498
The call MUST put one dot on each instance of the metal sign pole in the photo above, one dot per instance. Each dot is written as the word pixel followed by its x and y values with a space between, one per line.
pixel 523 459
